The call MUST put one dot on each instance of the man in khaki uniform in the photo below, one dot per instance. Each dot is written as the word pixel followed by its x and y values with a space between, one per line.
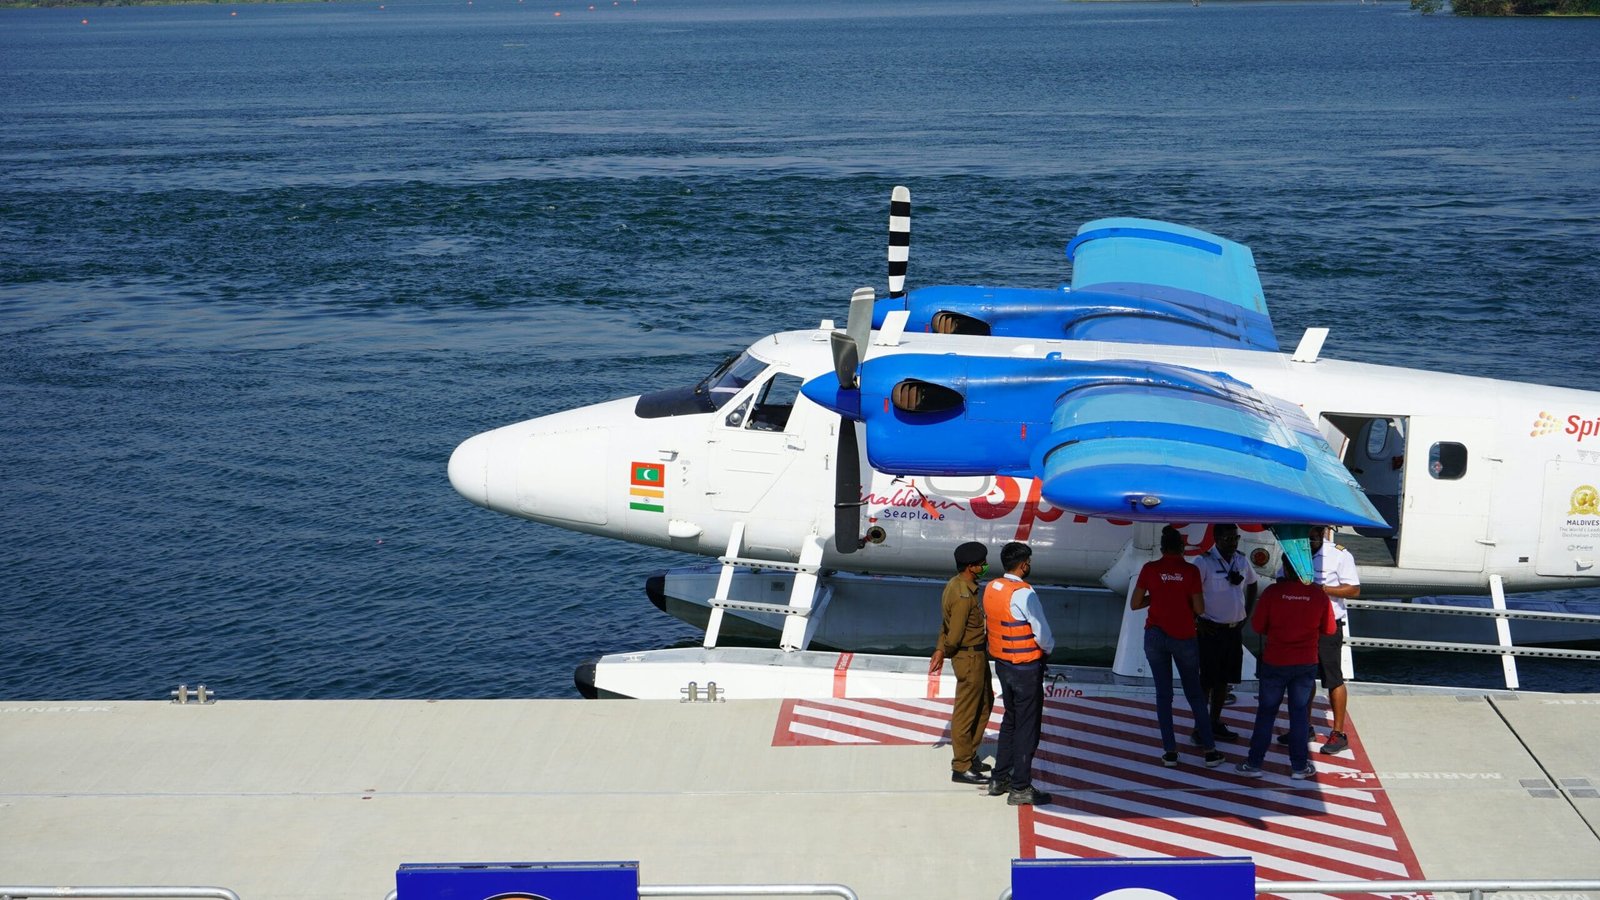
pixel 962 640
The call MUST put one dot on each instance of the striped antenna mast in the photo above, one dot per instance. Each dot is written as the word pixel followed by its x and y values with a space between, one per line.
pixel 899 240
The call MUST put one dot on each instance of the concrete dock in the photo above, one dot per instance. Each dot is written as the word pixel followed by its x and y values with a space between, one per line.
pixel 325 799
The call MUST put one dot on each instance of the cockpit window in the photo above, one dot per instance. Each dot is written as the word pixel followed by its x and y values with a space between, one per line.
pixel 736 418
pixel 711 394
pixel 776 402
pixel 731 377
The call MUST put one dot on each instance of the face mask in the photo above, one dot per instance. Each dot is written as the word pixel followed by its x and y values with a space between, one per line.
pixel 983 570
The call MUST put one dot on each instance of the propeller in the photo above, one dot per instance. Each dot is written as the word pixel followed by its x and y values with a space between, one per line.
pixel 849 349
pixel 899 240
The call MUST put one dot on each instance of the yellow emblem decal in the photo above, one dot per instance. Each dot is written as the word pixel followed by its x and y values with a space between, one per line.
pixel 1585 501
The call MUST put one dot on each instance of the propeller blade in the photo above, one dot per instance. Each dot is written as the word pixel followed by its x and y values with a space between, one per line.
pixel 859 325
pixel 847 491
pixel 899 240
pixel 848 344
pixel 846 358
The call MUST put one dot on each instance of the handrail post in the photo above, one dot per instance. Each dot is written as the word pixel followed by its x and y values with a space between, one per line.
pixel 1502 630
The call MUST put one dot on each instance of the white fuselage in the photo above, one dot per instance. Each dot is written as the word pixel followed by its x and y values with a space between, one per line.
pixel 1482 477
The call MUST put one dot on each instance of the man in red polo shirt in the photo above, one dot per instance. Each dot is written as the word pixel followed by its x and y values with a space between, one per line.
pixel 1170 587
pixel 1292 617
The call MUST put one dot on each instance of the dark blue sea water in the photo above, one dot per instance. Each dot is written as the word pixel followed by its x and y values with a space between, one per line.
pixel 262 267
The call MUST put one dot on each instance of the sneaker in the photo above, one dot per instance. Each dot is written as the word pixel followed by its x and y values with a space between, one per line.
pixel 1309 771
pixel 1248 770
pixel 1336 741
pixel 999 786
pixel 1230 700
pixel 1194 737
pixel 1170 759
pixel 1213 758
pixel 1223 733
pixel 1028 796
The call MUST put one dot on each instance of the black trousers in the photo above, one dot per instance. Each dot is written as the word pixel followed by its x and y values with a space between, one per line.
pixel 1022 692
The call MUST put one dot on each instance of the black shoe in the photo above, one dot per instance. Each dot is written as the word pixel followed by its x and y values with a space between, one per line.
pixel 1230 700
pixel 1337 741
pixel 980 766
pixel 969 777
pixel 996 788
pixel 1028 796
pixel 1223 733
pixel 1194 738
pixel 1284 739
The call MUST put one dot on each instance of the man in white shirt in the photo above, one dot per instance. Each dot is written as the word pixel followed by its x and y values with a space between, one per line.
pixel 1229 585
pixel 1336 572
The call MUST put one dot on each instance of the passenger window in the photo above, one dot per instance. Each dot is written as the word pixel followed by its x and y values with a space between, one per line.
pixel 736 418
pixel 1447 461
pixel 776 403
pixel 1377 438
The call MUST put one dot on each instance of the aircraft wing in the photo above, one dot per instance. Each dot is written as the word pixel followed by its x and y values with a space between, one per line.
pixel 1181 285
pixel 1133 281
pixel 1126 439
pixel 1195 446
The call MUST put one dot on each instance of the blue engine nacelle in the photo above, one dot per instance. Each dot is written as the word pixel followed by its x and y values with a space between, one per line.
pixel 1109 438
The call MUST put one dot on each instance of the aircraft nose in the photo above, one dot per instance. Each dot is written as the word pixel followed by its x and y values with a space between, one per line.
pixel 469 469
pixel 556 468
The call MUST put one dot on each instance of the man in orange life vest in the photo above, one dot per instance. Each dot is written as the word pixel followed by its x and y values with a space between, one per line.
pixel 1170 586
pixel 961 640
pixel 1019 641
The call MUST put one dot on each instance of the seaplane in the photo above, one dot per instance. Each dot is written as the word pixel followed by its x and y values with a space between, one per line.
pixel 831 471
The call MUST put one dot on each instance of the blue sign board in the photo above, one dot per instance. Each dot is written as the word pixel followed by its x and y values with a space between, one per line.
pixel 1204 878
pixel 518 881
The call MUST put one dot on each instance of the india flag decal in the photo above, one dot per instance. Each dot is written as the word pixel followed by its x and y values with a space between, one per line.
pixel 648 491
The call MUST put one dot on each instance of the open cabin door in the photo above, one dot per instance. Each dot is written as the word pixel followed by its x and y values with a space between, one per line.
pixel 1372 448
pixel 1449 474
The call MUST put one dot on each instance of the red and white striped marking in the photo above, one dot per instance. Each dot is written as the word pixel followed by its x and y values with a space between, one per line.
pixel 1100 758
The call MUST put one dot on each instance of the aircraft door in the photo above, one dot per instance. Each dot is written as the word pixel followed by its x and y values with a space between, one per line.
pixel 753 443
pixel 1375 457
pixel 1448 479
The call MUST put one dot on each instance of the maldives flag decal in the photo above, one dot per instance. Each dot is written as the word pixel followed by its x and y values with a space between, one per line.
pixel 648 492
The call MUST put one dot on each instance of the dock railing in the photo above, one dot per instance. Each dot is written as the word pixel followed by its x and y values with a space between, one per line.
pixel 1476 889
pixel 1504 648
pixel 728 890
pixel 17 892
